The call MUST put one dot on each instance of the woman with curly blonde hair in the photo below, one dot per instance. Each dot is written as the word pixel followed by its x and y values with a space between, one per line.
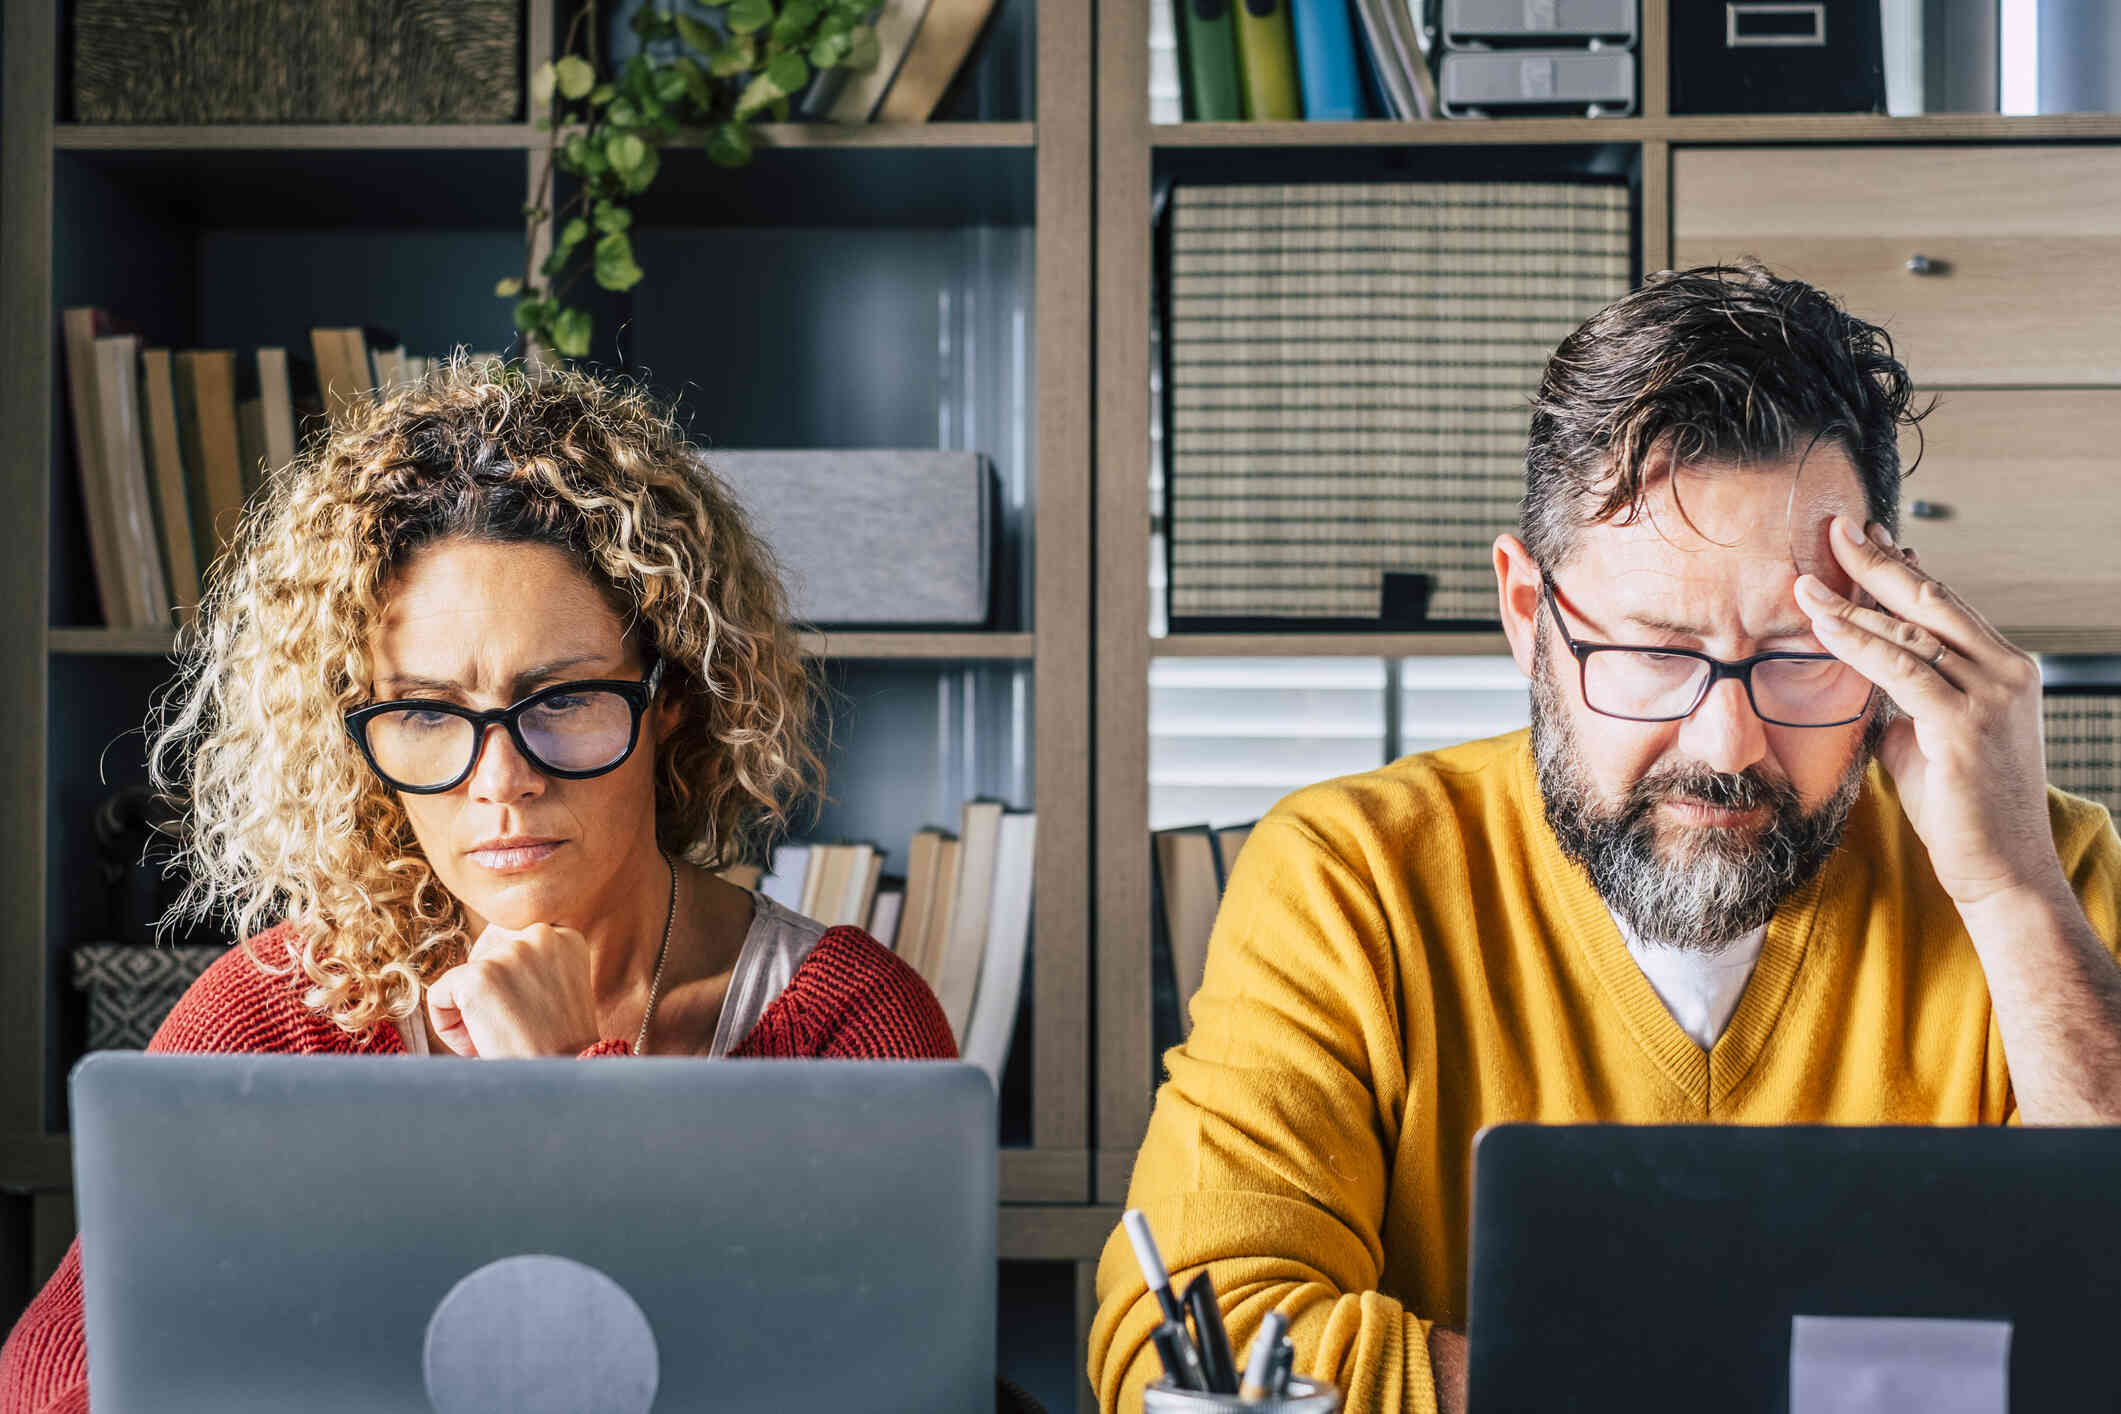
pixel 490 684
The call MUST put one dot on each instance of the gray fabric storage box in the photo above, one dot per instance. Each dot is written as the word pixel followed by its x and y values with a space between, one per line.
pixel 874 538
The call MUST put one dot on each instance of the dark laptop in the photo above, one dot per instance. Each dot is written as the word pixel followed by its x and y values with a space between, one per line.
pixel 537 1237
pixel 1662 1268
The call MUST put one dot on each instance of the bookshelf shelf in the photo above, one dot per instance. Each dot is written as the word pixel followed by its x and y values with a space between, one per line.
pixel 1436 643
pixel 391 137
pixel 1759 128
pixel 906 647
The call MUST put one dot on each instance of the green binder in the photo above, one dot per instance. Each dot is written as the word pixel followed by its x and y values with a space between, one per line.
pixel 1207 34
pixel 1266 60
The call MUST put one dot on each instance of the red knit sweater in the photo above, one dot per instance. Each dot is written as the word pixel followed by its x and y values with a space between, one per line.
pixel 850 1000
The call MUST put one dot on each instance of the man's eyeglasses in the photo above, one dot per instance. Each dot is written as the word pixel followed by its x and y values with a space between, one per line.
pixel 1666 684
pixel 573 730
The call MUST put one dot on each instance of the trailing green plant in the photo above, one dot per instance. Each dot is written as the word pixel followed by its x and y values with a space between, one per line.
pixel 706 72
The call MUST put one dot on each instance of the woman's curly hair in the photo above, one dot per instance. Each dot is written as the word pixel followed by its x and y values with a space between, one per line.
pixel 284 818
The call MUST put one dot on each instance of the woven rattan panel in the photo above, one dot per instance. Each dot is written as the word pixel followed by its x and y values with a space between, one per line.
pixel 2084 745
pixel 1350 368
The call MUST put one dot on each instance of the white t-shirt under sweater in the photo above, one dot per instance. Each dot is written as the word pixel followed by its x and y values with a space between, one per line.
pixel 1700 989
pixel 775 945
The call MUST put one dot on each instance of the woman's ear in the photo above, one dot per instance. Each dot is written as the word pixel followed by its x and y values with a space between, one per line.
pixel 1518 586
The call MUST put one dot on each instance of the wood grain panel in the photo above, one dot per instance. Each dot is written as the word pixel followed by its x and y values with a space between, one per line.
pixel 2017 240
pixel 2024 486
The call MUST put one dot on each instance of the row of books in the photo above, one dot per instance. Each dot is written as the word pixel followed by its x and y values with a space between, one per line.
pixel 1190 865
pixel 921 46
pixel 960 915
pixel 1322 60
pixel 169 444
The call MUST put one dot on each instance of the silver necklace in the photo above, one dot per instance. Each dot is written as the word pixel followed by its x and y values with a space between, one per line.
pixel 662 955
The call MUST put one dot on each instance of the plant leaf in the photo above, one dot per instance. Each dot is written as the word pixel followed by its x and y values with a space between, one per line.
pixel 570 332
pixel 829 50
pixel 575 77
pixel 788 72
pixel 616 268
pixel 866 53
pixel 508 289
pixel 738 56
pixel 795 20
pixel 611 219
pixel 697 34
pixel 572 233
pixel 543 80
pixel 626 152
pixel 756 95
pixel 669 84
pixel 529 311
pixel 696 85
pixel 638 179
pixel 729 144
pixel 748 16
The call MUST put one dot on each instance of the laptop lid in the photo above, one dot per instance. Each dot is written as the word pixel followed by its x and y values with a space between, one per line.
pixel 355 1233
pixel 1661 1268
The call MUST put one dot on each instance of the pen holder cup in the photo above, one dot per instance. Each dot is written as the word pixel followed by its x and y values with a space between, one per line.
pixel 1304 1397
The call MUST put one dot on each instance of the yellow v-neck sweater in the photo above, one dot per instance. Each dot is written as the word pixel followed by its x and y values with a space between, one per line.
pixel 1405 956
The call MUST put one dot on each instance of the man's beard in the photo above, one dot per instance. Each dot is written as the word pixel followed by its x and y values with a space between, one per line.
pixel 1704 887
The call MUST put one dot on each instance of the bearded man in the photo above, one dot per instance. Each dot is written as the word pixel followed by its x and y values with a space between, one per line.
pixel 1777 849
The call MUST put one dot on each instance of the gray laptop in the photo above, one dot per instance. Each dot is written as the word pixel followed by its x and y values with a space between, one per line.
pixel 587 1237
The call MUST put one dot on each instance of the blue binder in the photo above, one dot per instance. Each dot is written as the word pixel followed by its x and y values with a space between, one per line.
pixel 1327 60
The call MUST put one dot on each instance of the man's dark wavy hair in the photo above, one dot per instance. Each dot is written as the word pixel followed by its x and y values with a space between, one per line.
pixel 1721 363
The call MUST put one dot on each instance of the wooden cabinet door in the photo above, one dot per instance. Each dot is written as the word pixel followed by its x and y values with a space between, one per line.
pixel 2022 247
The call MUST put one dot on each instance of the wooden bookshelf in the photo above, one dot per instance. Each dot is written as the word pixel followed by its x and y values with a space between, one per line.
pixel 906 193
pixel 941 647
pixel 386 137
pixel 1135 158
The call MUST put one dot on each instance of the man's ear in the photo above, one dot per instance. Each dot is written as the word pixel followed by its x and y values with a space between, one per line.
pixel 1517 584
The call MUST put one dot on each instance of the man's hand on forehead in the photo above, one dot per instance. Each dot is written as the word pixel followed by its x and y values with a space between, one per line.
pixel 1967 756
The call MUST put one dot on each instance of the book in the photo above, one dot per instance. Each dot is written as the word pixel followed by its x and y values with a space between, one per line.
pixel 1001 976
pixel 858 96
pixel 1186 873
pixel 870 879
pixel 165 457
pixel 845 890
pixel 1167 91
pixel 206 416
pixel 1418 65
pixel 957 970
pixel 250 441
pixel 1266 61
pixel 343 371
pixel 1327 61
pixel 276 392
pixel 81 326
pixel 885 914
pixel 948 866
pixel 939 49
pixel 1228 841
pixel 124 468
pixel 922 856
pixel 1381 51
pixel 784 882
pixel 827 883
pixel 1207 46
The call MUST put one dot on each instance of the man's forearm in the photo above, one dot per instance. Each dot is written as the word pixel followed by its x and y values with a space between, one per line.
pixel 2057 994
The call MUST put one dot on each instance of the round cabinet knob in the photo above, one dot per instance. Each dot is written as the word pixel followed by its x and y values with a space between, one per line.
pixel 1929 510
pixel 1923 265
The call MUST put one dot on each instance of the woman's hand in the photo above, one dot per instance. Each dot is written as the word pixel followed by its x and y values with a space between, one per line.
pixel 1967 756
pixel 521 992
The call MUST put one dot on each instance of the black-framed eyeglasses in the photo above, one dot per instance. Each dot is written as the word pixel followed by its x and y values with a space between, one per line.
pixel 574 730
pixel 1648 684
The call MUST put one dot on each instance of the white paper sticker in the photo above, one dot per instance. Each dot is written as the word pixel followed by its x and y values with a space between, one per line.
pixel 1898 1365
